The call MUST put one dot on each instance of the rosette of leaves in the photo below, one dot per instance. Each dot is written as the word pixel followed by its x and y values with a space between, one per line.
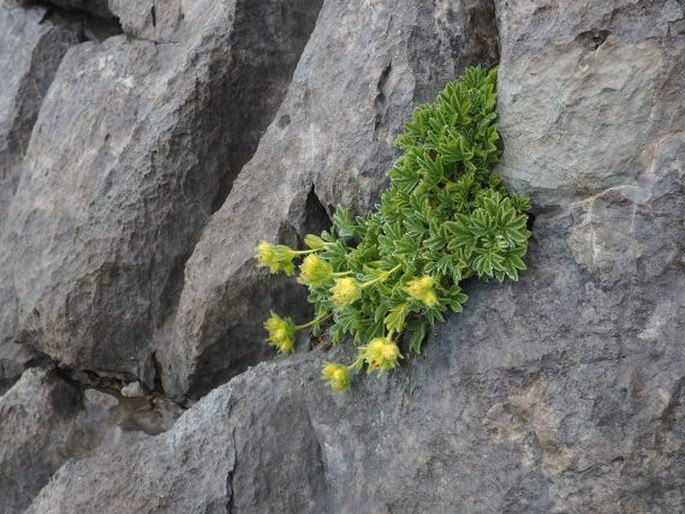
pixel 385 278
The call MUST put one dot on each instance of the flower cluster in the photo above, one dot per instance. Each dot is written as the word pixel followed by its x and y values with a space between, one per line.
pixel 276 257
pixel 385 278
pixel 421 289
pixel 281 333
pixel 381 354
pixel 337 375
pixel 345 291
pixel 314 271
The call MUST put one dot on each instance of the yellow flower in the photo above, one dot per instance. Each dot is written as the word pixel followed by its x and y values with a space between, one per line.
pixel 314 271
pixel 381 354
pixel 345 291
pixel 276 257
pixel 422 289
pixel 338 376
pixel 281 333
pixel 266 254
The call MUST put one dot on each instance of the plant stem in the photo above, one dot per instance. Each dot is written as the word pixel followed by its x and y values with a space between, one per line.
pixel 357 365
pixel 314 321
pixel 304 252
pixel 382 277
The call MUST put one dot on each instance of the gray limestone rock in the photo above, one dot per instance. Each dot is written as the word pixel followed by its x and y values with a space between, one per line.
pixel 365 68
pixel 584 89
pixel 45 420
pixel 194 468
pixel 135 142
pixel 13 359
pixel 95 7
pixel 149 19
pixel 184 470
pixel 560 393
pixel 31 51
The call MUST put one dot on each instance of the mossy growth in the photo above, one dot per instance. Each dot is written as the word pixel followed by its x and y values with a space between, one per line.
pixel 385 278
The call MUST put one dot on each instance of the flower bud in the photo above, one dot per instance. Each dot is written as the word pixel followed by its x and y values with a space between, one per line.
pixel 421 289
pixel 381 354
pixel 281 333
pixel 275 257
pixel 345 291
pixel 314 271
pixel 338 376
pixel 314 242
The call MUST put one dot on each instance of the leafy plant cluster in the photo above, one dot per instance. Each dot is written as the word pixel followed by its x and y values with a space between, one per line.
pixel 385 278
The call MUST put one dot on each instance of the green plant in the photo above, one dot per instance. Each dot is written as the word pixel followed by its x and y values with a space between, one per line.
pixel 387 277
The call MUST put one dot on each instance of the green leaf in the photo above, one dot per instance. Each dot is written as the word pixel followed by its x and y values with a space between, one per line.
pixel 418 334
pixel 396 318
pixel 314 242
pixel 342 220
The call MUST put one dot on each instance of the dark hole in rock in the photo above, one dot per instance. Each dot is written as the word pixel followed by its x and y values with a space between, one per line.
pixel 283 121
pixel 592 39
pixel 87 26
pixel 316 216
pixel 66 399
pixel 158 374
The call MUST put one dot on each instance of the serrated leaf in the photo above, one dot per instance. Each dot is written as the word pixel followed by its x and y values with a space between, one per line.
pixel 418 335
pixel 314 242
pixel 342 220
pixel 396 318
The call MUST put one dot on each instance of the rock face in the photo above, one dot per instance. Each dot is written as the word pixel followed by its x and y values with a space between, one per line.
pixel 178 470
pixel 329 144
pixel 44 420
pixel 48 417
pixel 31 53
pixel 563 392
pixel 13 360
pixel 147 19
pixel 107 213
pixel 606 75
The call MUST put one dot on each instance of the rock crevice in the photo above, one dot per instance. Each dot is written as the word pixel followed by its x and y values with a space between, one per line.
pixel 328 133
pixel 94 273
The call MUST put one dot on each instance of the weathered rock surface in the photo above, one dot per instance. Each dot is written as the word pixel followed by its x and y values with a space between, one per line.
pixel 606 75
pixel 30 54
pixel 148 19
pixel 562 393
pixel 13 360
pixel 178 470
pixel 135 141
pixel 329 144
pixel 45 420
